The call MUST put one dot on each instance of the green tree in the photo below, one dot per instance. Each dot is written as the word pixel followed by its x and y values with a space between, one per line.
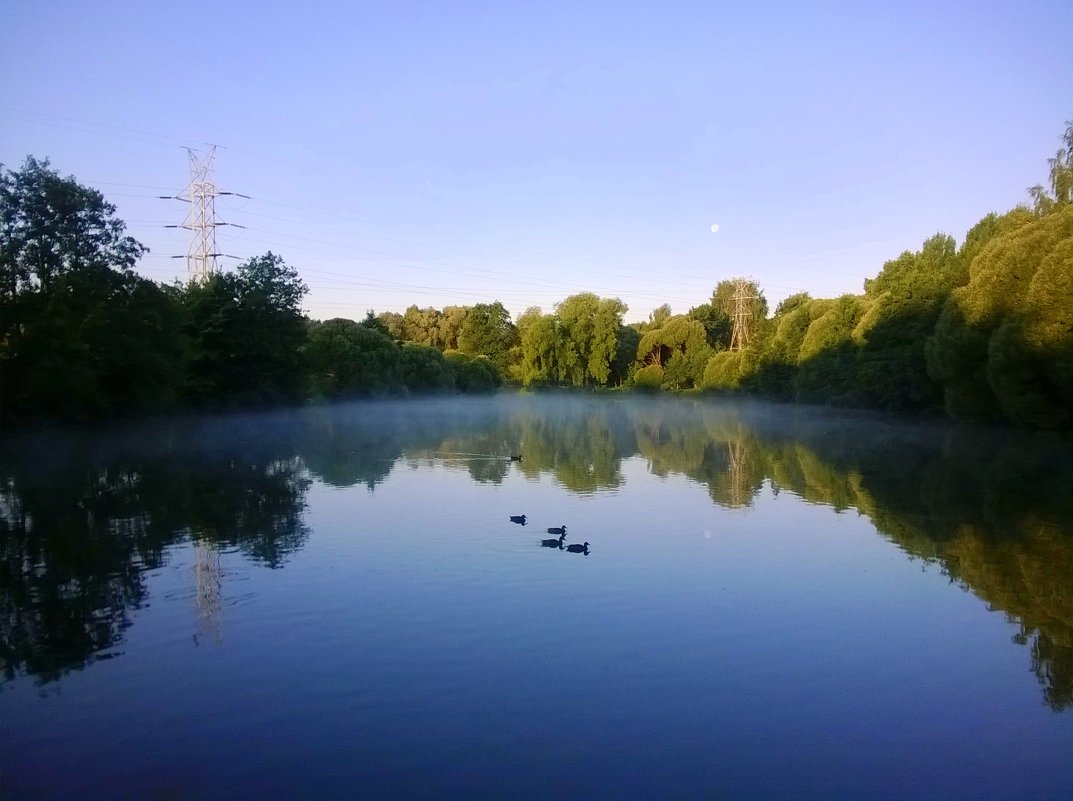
pixel 347 359
pixel 906 299
pixel 51 227
pixel 473 374
pixel 956 351
pixel 723 370
pixel 424 369
pixel 606 329
pixel 451 321
pixel 827 359
pixel 374 323
pixel 81 335
pixel 779 352
pixel 716 322
pixel 393 325
pixel 576 317
pixel 423 327
pixel 648 378
pixel 680 348
pixel 247 332
pixel 625 363
pixel 541 344
pixel 1030 354
pixel 656 318
pixel 589 328
pixel 1061 178
pixel 488 331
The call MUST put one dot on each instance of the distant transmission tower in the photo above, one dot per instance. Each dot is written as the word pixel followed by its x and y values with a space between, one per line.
pixel 741 315
pixel 201 222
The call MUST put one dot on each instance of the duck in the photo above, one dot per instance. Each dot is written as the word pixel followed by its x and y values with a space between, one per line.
pixel 579 548
pixel 553 543
pixel 516 457
pixel 519 519
pixel 558 530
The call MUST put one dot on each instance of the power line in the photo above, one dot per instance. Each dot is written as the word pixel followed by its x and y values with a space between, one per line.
pixel 147 136
pixel 203 228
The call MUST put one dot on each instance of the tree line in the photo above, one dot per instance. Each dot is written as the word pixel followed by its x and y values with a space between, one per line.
pixel 981 331
pixel 83 336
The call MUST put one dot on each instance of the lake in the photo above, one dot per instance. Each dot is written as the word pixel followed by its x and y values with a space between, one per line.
pixel 334 602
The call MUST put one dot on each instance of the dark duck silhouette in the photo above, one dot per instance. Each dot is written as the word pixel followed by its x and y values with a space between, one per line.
pixel 559 530
pixel 553 543
pixel 516 457
pixel 579 548
pixel 519 519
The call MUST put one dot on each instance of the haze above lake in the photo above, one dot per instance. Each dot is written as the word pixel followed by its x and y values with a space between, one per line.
pixel 334 601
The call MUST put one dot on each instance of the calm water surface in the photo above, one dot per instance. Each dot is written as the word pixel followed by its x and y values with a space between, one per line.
pixel 334 602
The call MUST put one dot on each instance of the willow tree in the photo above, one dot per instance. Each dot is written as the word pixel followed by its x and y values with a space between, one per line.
pixel 827 360
pixel 577 317
pixel 1061 178
pixel 679 348
pixel 487 331
pixel 451 321
pixel 656 318
pixel 606 330
pixel 777 358
pixel 906 299
pixel 957 350
pixel 541 345
pixel 347 359
pixel 589 326
pixel 1003 345
pixel 1030 353
pixel 422 326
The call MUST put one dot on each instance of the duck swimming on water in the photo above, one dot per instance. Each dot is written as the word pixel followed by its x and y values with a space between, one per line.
pixel 553 543
pixel 557 530
pixel 579 548
pixel 519 519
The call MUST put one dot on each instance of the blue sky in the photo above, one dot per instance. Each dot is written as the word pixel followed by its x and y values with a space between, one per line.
pixel 452 153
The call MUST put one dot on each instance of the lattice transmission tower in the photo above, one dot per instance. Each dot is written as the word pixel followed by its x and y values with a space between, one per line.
pixel 741 314
pixel 201 221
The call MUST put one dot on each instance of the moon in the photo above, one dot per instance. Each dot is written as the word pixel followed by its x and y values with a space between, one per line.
pixel 715 228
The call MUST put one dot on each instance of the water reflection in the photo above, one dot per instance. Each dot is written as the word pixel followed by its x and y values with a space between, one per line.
pixel 209 592
pixel 83 517
pixel 82 520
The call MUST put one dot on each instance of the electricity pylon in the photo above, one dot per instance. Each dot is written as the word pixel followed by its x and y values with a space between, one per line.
pixel 742 314
pixel 201 222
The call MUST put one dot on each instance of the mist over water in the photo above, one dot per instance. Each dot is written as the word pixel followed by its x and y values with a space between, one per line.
pixel 335 600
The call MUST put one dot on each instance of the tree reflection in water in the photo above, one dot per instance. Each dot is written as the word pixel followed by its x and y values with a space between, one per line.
pixel 83 517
